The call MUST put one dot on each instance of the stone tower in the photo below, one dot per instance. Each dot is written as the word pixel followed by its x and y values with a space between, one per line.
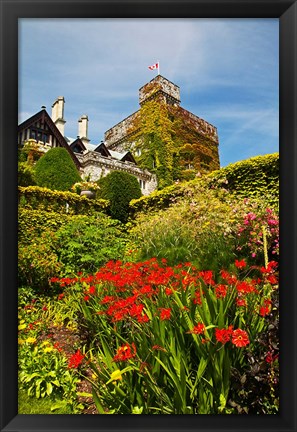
pixel 199 151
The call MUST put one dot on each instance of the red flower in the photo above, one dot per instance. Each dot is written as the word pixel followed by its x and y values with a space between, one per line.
pixel 86 298
pixel 165 314
pixel 54 279
pixel 229 278
pixel 245 287
pixel 198 329
pixel 125 353
pixel 272 279
pixel 197 299
pixel 44 308
pixel 264 310
pixel 57 346
pixel 223 335
pixel 60 296
pixel 240 264
pixel 92 290
pixel 270 267
pixel 240 338
pixel 143 318
pixel 221 291
pixel 207 277
pixel 107 299
pixel 75 360
pixel 136 310
pixel 240 302
pixel 168 291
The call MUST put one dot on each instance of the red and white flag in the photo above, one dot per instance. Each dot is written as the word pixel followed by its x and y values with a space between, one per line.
pixel 154 66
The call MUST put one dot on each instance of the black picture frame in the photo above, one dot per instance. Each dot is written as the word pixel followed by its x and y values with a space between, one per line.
pixel 11 11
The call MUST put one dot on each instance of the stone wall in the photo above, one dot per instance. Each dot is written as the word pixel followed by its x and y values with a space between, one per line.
pixel 121 130
pixel 96 166
pixel 199 125
pixel 159 83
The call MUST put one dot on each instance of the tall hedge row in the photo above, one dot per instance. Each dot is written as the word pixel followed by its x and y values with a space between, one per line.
pixel 256 177
pixel 37 198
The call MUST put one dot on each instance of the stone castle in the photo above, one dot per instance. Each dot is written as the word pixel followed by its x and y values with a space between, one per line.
pixel 116 152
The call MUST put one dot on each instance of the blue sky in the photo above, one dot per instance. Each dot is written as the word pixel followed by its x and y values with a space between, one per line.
pixel 227 71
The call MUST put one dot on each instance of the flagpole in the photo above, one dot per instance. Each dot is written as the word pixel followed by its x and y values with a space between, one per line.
pixel 158 67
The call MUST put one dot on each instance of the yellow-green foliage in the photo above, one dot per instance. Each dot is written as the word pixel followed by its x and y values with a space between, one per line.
pixel 251 178
pixel 254 177
pixel 153 133
pixel 37 198
pixel 31 223
pixel 195 229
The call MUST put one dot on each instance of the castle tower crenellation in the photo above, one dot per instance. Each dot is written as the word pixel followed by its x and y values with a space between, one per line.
pixel 160 87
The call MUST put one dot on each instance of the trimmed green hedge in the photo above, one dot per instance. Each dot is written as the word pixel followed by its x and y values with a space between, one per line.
pixel 252 178
pixel 119 188
pixel 56 170
pixel 37 198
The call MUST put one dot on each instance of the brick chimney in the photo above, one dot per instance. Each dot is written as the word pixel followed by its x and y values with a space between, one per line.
pixel 83 129
pixel 58 114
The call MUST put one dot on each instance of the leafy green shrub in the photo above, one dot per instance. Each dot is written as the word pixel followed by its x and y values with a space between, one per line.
pixel 56 170
pixel 251 178
pixel 38 261
pixel 158 199
pixel 208 227
pixel 26 174
pixel 256 177
pixel 85 244
pixel 35 197
pixel 52 244
pixel 119 188
pixel 197 230
pixel 32 223
pixel 43 371
pixel 29 152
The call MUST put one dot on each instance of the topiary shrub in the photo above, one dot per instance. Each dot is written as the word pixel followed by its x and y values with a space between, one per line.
pixel 56 170
pixel 119 188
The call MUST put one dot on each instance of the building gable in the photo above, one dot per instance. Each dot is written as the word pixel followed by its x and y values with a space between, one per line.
pixel 41 128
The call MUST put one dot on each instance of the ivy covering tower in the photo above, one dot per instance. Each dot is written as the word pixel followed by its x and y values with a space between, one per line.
pixel 164 137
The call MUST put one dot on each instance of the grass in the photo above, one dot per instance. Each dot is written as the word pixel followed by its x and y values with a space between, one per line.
pixel 32 405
